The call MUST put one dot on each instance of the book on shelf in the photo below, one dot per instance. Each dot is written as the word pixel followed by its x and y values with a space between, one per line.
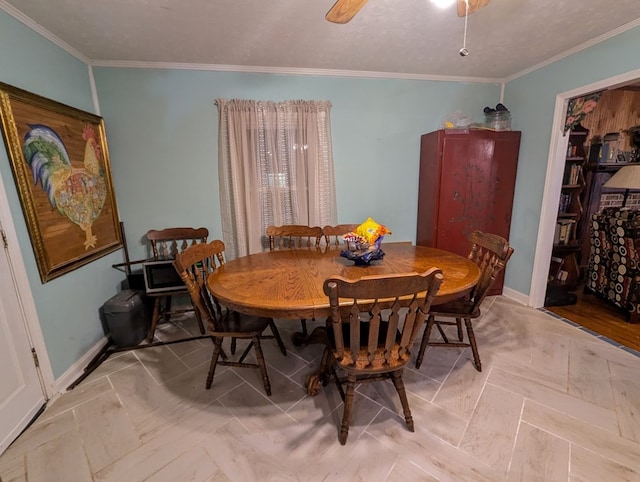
pixel 564 231
pixel 555 267
pixel 572 174
pixel 565 202
pixel 562 276
pixel 576 169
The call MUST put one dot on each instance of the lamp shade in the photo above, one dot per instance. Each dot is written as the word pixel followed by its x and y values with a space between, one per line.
pixel 626 178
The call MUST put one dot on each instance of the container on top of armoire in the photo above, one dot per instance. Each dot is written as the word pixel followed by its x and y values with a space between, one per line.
pixel 467 181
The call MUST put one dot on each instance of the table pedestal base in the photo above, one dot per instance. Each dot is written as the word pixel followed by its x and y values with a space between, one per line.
pixel 316 337
pixel 319 378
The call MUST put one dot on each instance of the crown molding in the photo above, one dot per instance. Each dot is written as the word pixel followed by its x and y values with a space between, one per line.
pixel 289 71
pixel 574 50
pixel 36 27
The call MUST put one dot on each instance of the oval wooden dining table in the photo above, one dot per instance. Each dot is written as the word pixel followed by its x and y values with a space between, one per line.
pixel 288 283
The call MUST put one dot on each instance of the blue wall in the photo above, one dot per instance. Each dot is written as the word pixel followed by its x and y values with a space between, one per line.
pixel 162 129
pixel 67 306
pixel 162 132
pixel 532 100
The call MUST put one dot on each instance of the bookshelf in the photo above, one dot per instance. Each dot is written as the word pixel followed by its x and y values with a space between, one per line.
pixel 565 263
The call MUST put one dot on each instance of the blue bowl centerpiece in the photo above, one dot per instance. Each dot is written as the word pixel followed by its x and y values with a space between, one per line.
pixel 363 245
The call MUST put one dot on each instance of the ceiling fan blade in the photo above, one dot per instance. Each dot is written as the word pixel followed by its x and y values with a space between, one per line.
pixel 344 10
pixel 474 5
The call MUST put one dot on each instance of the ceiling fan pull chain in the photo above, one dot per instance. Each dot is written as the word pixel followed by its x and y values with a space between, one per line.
pixel 463 51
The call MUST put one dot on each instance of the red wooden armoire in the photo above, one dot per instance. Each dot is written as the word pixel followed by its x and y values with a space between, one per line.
pixel 467 180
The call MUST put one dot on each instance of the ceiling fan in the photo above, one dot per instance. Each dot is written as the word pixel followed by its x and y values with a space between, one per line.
pixel 344 10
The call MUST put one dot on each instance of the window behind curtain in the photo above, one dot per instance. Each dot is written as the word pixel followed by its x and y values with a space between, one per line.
pixel 275 166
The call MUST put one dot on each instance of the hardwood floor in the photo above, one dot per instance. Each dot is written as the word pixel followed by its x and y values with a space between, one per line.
pixel 601 317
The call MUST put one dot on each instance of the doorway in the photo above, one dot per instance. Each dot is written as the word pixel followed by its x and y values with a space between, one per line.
pixel 553 184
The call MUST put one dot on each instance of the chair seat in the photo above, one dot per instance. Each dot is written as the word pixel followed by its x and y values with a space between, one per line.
pixel 379 363
pixel 462 308
pixel 242 325
pixel 173 292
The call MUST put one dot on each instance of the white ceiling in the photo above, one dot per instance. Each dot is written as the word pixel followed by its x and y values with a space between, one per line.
pixel 410 37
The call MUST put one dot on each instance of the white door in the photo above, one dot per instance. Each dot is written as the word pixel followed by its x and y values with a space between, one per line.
pixel 21 394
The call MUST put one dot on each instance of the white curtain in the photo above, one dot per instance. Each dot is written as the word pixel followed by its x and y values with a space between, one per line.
pixel 275 166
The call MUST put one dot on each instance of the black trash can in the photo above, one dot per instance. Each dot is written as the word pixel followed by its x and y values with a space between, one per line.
pixel 126 318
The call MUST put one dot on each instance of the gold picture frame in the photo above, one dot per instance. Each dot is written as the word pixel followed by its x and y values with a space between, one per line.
pixel 60 164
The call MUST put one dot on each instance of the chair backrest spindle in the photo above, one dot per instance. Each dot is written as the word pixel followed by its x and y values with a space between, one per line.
pixel 167 243
pixel 293 236
pixel 360 304
pixel 333 234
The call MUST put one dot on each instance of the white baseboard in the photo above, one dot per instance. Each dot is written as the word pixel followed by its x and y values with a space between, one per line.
pixel 516 296
pixel 77 369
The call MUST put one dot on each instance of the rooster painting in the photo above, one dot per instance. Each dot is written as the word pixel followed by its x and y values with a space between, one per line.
pixel 77 193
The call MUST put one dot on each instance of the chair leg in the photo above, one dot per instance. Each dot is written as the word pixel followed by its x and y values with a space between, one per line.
pixel 425 340
pixel 223 355
pixel 396 378
pixel 459 326
pixel 303 322
pixel 262 365
pixel 217 348
pixel 233 346
pixel 245 353
pixel 167 308
pixel 328 364
pixel 276 335
pixel 334 373
pixel 472 342
pixel 154 320
pixel 442 333
pixel 200 324
pixel 348 407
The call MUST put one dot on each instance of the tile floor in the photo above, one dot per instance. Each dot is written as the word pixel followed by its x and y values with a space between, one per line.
pixel 553 403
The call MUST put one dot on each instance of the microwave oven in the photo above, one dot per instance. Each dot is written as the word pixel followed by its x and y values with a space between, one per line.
pixel 161 276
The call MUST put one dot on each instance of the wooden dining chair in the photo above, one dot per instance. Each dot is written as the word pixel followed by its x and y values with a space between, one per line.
pixel 368 346
pixel 294 236
pixel 333 234
pixel 275 334
pixel 165 246
pixel 194 265
pixel 491 253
